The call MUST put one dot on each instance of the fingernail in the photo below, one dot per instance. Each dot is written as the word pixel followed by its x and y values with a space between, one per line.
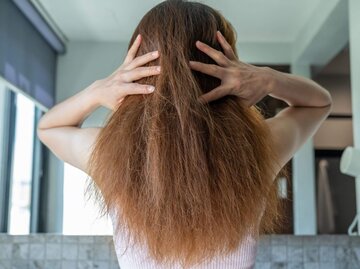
pixel 155 53
pixel 151 88
pixel 158 68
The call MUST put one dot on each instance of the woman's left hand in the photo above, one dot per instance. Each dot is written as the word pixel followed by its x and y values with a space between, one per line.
pixel 111 90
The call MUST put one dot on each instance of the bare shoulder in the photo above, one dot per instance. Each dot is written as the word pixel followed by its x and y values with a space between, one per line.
pixel 292 127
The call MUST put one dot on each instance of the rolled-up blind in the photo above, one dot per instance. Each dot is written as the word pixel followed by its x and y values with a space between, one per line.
pixel 26 58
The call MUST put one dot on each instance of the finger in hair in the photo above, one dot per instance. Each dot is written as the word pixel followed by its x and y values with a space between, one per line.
pixel 143 59
pixel 229 52
pixel 209 69
pixel 214 94
pixel 214 54
pixel 133 50
pixel 141 72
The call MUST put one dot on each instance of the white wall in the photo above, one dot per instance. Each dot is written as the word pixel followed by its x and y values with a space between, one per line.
pixel 83 63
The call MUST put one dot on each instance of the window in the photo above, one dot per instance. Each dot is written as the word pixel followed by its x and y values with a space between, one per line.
pixel 80 216
pixel 20 160
pixel 21 171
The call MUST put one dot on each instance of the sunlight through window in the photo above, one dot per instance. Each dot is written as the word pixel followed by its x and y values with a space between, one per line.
pixel 80 216
pixel 20 195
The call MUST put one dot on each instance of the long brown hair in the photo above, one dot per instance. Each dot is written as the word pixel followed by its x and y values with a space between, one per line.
pixel 188 180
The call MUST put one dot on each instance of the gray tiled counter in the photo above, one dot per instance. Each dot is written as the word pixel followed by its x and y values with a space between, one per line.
pixel 50 251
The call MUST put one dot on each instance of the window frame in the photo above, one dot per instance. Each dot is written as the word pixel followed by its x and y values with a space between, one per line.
pixel 37 176
pixel 7 150
pixel 7 159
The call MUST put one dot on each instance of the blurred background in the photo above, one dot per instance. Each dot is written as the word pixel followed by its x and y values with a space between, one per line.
pixel 50 50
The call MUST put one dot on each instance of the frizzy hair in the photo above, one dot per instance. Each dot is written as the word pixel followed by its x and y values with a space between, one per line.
pixel 186 179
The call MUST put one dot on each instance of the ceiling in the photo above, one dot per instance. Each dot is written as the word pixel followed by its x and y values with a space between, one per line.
pixel 115 20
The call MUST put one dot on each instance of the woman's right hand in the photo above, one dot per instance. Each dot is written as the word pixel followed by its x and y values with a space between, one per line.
pixel 251 83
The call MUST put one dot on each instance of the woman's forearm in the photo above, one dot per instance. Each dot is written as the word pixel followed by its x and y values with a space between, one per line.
pixel 71 112
pixel 297 91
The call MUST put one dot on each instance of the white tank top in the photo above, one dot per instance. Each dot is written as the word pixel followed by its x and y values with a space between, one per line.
pixel 136 257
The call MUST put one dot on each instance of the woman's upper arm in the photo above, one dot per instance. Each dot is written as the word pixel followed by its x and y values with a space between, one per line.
pixel 70 144
pixel 292 126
